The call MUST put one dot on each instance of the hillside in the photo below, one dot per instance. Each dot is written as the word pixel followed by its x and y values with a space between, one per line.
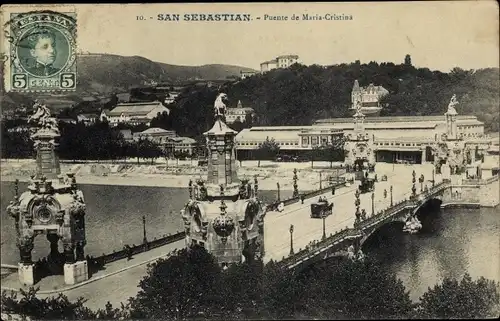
pixel 300 95
pixel 102 74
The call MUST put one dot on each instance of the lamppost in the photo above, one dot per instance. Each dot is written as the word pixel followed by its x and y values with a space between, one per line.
pixel 391 195
pixel 256 185
pixel 16 188
pixel 279 196
pixel 357 202
pixel 144 239
pixel 373 203
pixel 413 188
pixel 421 179
pixel 190 189
pixel 433 178
pixel 324 217
pixel 295 187
pixel 319 180
pixel 291 239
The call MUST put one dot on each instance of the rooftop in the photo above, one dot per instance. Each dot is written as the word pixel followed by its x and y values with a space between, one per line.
pixel 156 130
pixel 395 119
pixel 288 56
pixel 220 128
pixel 135 109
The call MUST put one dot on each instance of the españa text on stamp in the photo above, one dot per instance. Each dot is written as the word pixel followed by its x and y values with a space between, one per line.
pixel 42 51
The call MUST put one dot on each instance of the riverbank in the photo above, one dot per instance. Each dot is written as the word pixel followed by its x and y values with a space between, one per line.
pixel 177 173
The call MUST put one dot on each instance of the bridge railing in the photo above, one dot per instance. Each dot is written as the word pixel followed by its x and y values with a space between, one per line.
pixel 312 250
pixel 400 205
pixel 491 179
pixel 385 213
pixel 292 200
pixel 480 181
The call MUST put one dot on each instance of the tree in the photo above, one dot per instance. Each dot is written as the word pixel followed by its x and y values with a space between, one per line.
pixel 316 153
pixel 237 125
pixel 248 122
pixel 44 309
pixel 163 120
pixel 407 60
pixel 464 299
pixel 268 150
pixel 187 285
pixel 354 290
pixel 112 102
pixel 147 149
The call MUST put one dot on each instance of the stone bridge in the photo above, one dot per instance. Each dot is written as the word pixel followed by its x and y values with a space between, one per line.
pixel 446 192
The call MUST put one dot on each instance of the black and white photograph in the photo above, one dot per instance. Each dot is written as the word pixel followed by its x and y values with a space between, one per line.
pixel 250 161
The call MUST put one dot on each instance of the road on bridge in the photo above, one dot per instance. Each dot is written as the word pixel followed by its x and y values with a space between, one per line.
pixel 306 229
pixel 114 288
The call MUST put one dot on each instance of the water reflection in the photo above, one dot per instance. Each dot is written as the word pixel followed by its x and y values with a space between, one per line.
pixel 452 242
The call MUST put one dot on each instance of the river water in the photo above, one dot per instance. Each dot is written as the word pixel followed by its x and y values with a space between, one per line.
pixel 454 241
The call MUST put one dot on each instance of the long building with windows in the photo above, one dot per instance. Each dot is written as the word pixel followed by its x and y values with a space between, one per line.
pixel 407 138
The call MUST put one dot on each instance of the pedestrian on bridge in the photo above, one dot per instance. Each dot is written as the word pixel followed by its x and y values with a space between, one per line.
pixel 128 250
pixel 385 193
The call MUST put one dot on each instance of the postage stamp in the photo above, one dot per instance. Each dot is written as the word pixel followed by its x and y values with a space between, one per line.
pixel 42 51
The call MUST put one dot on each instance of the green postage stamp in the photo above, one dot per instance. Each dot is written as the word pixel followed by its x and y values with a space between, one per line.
pixel 42 55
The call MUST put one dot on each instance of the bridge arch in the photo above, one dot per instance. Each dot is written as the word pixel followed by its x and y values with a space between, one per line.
pixel 371 233
pixel 427 207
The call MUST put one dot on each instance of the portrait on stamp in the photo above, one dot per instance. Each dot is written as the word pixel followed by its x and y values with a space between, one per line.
pixel 42 51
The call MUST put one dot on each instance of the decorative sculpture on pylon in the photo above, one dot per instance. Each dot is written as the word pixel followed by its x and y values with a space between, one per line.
pixel 52 205
pixel 226 216
pixel 449 148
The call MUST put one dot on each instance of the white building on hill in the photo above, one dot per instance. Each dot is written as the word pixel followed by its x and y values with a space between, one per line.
pixel 369 97
pixel 283 61
pixel 238 113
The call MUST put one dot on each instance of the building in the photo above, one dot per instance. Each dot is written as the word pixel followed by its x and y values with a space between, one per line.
pixel 157 135
pixel 67 120
pixel 168 140
pixel 171 96
pixel 494 139
pixel 369 97
pixel 283 61
pixel 134 113
pixel 185 145
pixel 238 113
pixel 88 118
pixel 406 138
pixel 292 140
pixel 127 135
pixel 103 116
pixel 247 73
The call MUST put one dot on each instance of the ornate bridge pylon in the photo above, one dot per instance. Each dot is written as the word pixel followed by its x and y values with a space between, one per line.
pixel 223 213
pixel 52 205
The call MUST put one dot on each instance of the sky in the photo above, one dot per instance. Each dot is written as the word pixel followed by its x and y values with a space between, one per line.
pixel 437 35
